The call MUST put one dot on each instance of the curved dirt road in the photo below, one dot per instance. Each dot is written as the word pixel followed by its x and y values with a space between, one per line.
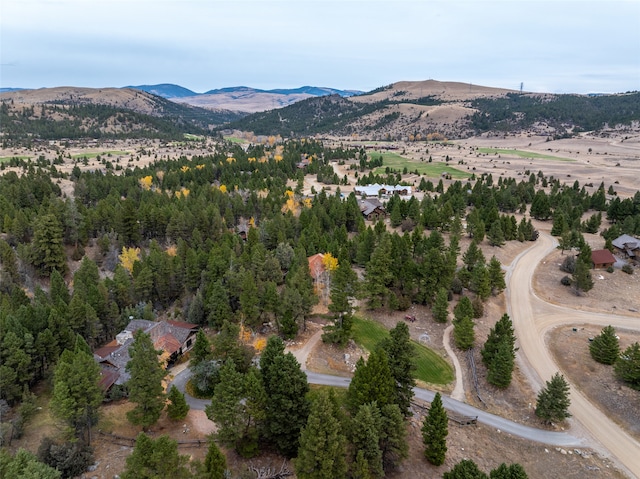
pixel 532 319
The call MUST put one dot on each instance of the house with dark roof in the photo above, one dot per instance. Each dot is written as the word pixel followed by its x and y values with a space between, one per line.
pixel 171 338
pixel 602 258
pixel 372 209
pixel 628 245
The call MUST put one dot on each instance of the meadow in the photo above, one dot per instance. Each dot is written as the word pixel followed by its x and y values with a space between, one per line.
pixel 430 366
pixel 521 154
pixel 399 163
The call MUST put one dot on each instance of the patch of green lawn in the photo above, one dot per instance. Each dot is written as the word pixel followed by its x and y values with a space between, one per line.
pixel 430 366
pixel 521 154
pixel 189 136
pixel 9 158
pixel 399 163
pixel 234 139
pixel 94 154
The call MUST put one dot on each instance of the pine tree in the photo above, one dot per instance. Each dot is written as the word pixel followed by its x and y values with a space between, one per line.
pixel 605 347
pixel 440 308
pixel 287 408
pixel 463 333
pixel 273 349
pixel 145 383
pixel 344 286
pixel 177 408
pixel 582 281
pixel 25 465
pixel 47 246
pixel 553 400
pixel 480 282
pixel 560 225
pixel 378 274
pixel 393 437
pixel 512 471
pixel 58 290
pixel 215 463
pixel 155 458
pixel 226 408
pixel 540 206
pixel 254 407
pixel 322 450
pixel 464 309
pixel 360 467
pixel 227 345
pixel 434 432
pixel 76 392
pixel 465 469
pixel 627 366
pixel 502 332
pixel 501 367
pixel 496 276
pixel 365 438
pixel 372 381
pixel 201 349
pixel 400 354
pixel 495 235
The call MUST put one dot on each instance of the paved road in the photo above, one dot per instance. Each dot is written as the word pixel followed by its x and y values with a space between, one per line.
pixel 456 407
pixel 180 381
pixel 533 318
pixel 462 409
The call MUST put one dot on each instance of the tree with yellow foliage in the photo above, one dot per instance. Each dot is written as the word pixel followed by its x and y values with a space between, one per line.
pixel 145 182
pixel 128 257
pixel 330 262
pixel 291 204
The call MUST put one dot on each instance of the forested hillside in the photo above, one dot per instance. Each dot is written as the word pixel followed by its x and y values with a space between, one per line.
pixel 560 115
pixel 566 113
pixel 38 116
pixel 331 114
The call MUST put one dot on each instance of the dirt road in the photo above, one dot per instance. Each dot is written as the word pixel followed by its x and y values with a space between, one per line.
pixel 532 319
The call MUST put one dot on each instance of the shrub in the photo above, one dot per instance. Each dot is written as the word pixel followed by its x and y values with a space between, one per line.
pixel 566 281
pixel 478 307
pixel 627 268
pixel 568 265
pixel 70 458
pixel 456 285
pixel 610 269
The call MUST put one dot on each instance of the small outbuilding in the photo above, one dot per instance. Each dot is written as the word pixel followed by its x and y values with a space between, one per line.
pixel 602 258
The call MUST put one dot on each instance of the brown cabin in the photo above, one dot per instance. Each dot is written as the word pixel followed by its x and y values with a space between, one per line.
pixel 602 258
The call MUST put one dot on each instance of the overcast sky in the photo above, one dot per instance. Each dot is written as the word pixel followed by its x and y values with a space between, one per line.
pixel 559 46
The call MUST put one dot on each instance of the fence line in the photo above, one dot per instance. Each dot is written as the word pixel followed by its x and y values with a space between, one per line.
pixel 128 441
pixel 460 420
pixel 474 373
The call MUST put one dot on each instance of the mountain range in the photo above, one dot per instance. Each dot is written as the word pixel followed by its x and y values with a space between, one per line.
pixel 400 110
pixel 171 91
pixel 241 99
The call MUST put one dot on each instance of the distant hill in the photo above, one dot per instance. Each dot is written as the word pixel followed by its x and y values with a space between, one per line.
pixel 165 90
pixel 69 112
pixel 250 100
pixel 444 109
pixel 239 99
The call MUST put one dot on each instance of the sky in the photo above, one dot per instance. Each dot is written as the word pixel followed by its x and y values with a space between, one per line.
pixel 556 46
